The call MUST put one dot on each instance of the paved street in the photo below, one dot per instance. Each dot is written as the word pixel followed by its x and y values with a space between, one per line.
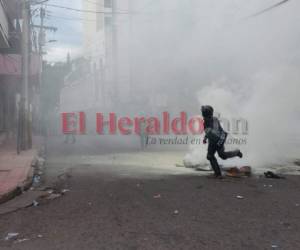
pixel 149 125
pixel 121 206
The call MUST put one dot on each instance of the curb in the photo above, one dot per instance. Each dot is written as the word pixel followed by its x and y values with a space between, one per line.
pixel 10 195
pixel 25 185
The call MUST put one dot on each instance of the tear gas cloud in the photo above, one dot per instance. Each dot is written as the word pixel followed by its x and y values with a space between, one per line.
pixel 178 55
pixel 208 52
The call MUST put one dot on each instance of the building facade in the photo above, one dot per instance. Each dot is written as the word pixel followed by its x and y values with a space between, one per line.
pixel 11 69
pixel 106 46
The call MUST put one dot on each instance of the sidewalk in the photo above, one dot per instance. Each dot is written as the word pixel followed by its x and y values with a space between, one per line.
pixel 15 171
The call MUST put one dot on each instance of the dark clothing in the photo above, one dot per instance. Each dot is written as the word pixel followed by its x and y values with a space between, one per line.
pixel 214 131
pixel 212 149
pixel 216 139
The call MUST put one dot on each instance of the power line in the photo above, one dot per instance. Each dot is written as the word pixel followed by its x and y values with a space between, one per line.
pixel 268 9
pixel 86 11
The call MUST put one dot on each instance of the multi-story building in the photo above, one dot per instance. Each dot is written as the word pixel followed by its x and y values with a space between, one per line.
pixel 8 64
pixel 106 46
pixel 116 42
pixel 118 46
pixel 11 67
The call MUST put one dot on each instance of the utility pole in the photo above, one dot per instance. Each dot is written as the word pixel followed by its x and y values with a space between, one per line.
pixel 130 45
pixel 41 43
pixel 115 65
pixel 41 33
pixel 25 132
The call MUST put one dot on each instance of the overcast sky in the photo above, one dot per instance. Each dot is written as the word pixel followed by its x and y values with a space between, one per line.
pixel 69 33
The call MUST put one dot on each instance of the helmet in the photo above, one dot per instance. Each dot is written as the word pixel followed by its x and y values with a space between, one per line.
pixel 207 111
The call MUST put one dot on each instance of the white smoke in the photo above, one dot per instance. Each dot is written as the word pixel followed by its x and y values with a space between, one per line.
pixel 269 101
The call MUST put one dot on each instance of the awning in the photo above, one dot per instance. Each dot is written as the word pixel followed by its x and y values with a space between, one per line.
pixel 11 64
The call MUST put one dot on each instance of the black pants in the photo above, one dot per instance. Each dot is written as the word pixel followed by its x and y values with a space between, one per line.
pixel 212 149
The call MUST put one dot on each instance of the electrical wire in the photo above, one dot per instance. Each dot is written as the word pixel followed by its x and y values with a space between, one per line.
pixel 267 9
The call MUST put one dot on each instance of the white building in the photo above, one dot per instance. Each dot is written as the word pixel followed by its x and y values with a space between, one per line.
pixel 116 45
pixel 106 46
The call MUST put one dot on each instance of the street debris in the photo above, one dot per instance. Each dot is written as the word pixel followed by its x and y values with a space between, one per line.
pixel 40 161
pixel 40 236
pixel 265 185
pixel 158 196
pixel 35 203
pixel 176 212
pixel 297 162
pixel 271 175
pixel 274 246
pixel 21 240
pixel 36 180
pixel 239 197
pixel 11 236
pixel 34 197
pixel 244 171
pixel 22 201
pixel 53 196
pixel 65 191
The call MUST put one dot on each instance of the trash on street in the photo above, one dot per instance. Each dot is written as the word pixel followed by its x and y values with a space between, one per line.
pixel 53 196
pixel 65 191
pixel 35 203
pixel 271 175
pixel 244 171
pixel 158 196
pixel 11 236
pixel 22 240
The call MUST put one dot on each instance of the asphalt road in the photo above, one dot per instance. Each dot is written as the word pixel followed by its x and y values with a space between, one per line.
pixel 120 207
